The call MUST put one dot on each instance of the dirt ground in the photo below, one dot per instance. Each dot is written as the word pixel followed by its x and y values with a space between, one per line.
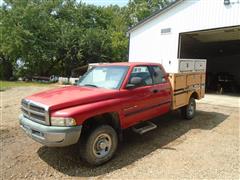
pixel 205 147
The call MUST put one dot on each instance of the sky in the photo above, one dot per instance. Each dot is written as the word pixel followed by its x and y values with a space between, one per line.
pixel 100 2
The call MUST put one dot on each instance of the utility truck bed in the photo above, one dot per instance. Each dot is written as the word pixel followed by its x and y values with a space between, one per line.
pixel 184 84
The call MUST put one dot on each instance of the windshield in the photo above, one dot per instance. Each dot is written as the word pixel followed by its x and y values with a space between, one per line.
pixel 109 77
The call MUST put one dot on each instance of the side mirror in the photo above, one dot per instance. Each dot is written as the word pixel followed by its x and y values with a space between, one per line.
pixel 134 82
pixel 166 75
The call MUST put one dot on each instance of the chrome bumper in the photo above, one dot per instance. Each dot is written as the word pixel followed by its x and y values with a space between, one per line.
pixel 51 136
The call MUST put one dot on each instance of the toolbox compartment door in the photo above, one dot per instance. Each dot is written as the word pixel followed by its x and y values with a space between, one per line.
pixel 200 65
pixel 186 65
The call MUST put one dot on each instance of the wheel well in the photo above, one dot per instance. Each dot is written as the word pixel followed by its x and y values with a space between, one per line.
pixel 195 95
pixel 111 119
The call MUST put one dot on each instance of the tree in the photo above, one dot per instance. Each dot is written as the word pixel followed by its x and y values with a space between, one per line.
pixel 28 34
pixel 140 9
pixel 41 37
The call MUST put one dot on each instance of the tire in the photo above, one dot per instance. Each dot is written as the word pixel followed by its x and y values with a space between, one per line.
pixel 188 112
pixel 100 145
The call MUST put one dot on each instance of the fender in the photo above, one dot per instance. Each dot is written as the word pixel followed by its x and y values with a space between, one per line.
pixel 83 112
pixel 195 95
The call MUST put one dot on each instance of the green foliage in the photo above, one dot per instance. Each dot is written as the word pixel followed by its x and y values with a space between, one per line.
pixel 42 37
pixel 140 9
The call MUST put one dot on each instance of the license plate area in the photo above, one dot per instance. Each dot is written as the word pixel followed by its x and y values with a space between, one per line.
pixel 37 133
pixel 31 132
pixel 28 130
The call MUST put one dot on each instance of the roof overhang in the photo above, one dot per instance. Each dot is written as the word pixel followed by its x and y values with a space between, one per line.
pixel 216 35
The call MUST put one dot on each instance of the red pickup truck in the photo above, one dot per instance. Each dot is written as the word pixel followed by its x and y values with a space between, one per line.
pixel 108 99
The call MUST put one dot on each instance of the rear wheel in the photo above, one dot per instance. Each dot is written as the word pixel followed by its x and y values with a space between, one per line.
pixel 100 145
pixel 188 112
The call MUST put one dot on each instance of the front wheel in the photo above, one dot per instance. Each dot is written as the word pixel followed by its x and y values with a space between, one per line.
pixel 100 145
pixel 188 112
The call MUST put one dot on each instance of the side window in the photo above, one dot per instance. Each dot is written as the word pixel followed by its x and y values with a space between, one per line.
pixel 158 75
pixel 144 73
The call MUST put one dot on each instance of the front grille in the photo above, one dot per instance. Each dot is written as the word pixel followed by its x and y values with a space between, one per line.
pixel 37 108
pixel 35 112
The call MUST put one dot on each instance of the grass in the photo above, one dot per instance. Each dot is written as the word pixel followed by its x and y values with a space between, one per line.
pixel 9 84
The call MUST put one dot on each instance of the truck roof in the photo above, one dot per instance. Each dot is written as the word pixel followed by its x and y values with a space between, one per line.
pixel 128 64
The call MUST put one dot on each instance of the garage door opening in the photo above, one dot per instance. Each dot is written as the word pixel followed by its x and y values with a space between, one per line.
pixel 221 48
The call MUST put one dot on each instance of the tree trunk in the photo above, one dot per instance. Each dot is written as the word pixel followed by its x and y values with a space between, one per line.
pixel 6 68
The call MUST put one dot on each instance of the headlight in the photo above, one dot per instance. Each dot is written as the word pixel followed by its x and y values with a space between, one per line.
pixel 61 121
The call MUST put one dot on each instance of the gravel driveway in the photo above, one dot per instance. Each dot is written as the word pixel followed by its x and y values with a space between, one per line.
pixel 205 147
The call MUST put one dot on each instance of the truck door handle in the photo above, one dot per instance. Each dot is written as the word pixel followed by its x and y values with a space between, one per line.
pixel 155 91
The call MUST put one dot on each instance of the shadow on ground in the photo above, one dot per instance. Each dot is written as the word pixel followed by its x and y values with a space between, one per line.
pixel 134 146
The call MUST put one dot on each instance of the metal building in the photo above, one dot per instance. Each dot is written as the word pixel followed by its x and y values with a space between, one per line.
pixel 193 29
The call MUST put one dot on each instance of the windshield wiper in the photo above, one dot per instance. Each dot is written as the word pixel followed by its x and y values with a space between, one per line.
pixel 90 85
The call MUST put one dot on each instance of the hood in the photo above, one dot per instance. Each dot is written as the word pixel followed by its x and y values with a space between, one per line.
pixel 71 96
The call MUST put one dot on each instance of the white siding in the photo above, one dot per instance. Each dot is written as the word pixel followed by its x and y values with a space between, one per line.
pixel 147 43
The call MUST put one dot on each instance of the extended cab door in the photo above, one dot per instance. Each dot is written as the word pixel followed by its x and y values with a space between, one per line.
pixel 161 89
pixel 141 103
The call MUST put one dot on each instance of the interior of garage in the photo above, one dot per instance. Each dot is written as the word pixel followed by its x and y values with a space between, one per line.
pixel 221 48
